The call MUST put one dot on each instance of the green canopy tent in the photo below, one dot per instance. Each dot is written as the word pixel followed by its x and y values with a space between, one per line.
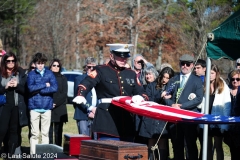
pixel 226 39
pixel 223 42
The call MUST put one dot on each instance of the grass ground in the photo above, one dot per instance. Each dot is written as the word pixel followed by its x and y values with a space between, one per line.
pixel 71 127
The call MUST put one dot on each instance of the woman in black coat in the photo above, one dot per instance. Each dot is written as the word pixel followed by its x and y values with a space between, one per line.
pixel 232 137
pixel 59 111
pixel 152 128
pixel 13 114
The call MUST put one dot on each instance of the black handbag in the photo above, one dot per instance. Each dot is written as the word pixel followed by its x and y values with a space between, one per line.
pixel 2 99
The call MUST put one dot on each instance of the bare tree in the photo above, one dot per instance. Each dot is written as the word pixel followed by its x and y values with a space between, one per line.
pixel 50 30
pixel 77 54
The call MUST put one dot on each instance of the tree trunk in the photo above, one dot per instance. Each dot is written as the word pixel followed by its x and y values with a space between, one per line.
pixel 23 53
pixel 159 59
pixel 100 52
pixel 136 27
pixel 77 54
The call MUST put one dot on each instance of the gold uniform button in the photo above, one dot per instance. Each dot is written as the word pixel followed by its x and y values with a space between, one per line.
pixel 118 72
pixel 122 92
pixel 120 77
pixel 121 81
pixel 106 109
pixel 110 81
pixel 130 84
pixel 122 87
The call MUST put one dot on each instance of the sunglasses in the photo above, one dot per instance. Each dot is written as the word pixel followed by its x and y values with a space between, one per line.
pixel 233 79
pixel 185 63
pixel 8 61
pixel 140 61
pixel 90 67
pixel 54 65
pixel 33 67
pixel 238 64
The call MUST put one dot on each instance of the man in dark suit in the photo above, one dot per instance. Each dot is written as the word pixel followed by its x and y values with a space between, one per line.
pixel 81 111
pixel 187 94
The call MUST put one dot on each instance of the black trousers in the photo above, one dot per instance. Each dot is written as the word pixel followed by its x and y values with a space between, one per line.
pixel 56 130
pixel 9 123
pixel 180 132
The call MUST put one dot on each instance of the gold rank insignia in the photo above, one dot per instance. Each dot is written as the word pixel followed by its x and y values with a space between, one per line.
pixel 126 47
pixel 93 74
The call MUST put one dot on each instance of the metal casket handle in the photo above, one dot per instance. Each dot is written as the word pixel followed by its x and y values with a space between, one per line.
pixel 139 156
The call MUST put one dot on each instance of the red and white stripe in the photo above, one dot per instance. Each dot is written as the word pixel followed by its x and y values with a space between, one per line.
pixel 154 110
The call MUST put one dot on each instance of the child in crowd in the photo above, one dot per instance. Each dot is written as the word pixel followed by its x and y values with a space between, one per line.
pixel 42 84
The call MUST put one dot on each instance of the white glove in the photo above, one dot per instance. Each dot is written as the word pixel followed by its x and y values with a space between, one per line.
pixel 79 100
pixel 137 99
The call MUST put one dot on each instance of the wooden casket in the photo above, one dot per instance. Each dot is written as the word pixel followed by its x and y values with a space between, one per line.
pixel 112 150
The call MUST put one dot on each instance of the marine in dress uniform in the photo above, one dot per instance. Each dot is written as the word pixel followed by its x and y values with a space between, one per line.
pixel 112 80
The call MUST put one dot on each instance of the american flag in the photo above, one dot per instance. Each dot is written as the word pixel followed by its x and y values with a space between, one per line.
pixel 166 113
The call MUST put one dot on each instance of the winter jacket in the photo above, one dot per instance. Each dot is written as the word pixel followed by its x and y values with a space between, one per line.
pixel 149 127
pixel 81 112
pixel 21 89
pixel 59 112
pixel 41 96
pixel 221 106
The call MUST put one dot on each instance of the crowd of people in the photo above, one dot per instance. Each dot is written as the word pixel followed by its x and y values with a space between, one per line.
pixel 36 97
pixel 157 87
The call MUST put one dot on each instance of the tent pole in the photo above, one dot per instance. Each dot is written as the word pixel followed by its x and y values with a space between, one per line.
pixel 206 110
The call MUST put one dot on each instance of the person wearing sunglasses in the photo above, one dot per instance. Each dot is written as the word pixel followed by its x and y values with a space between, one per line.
pixel 81 114
pixel 31 66
pixel 13 114
pixel 112 80
pixel 186 84
pixel 237 66
pixel 59 112
pixel 232 138
pixel 138 65
pixel 41 84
